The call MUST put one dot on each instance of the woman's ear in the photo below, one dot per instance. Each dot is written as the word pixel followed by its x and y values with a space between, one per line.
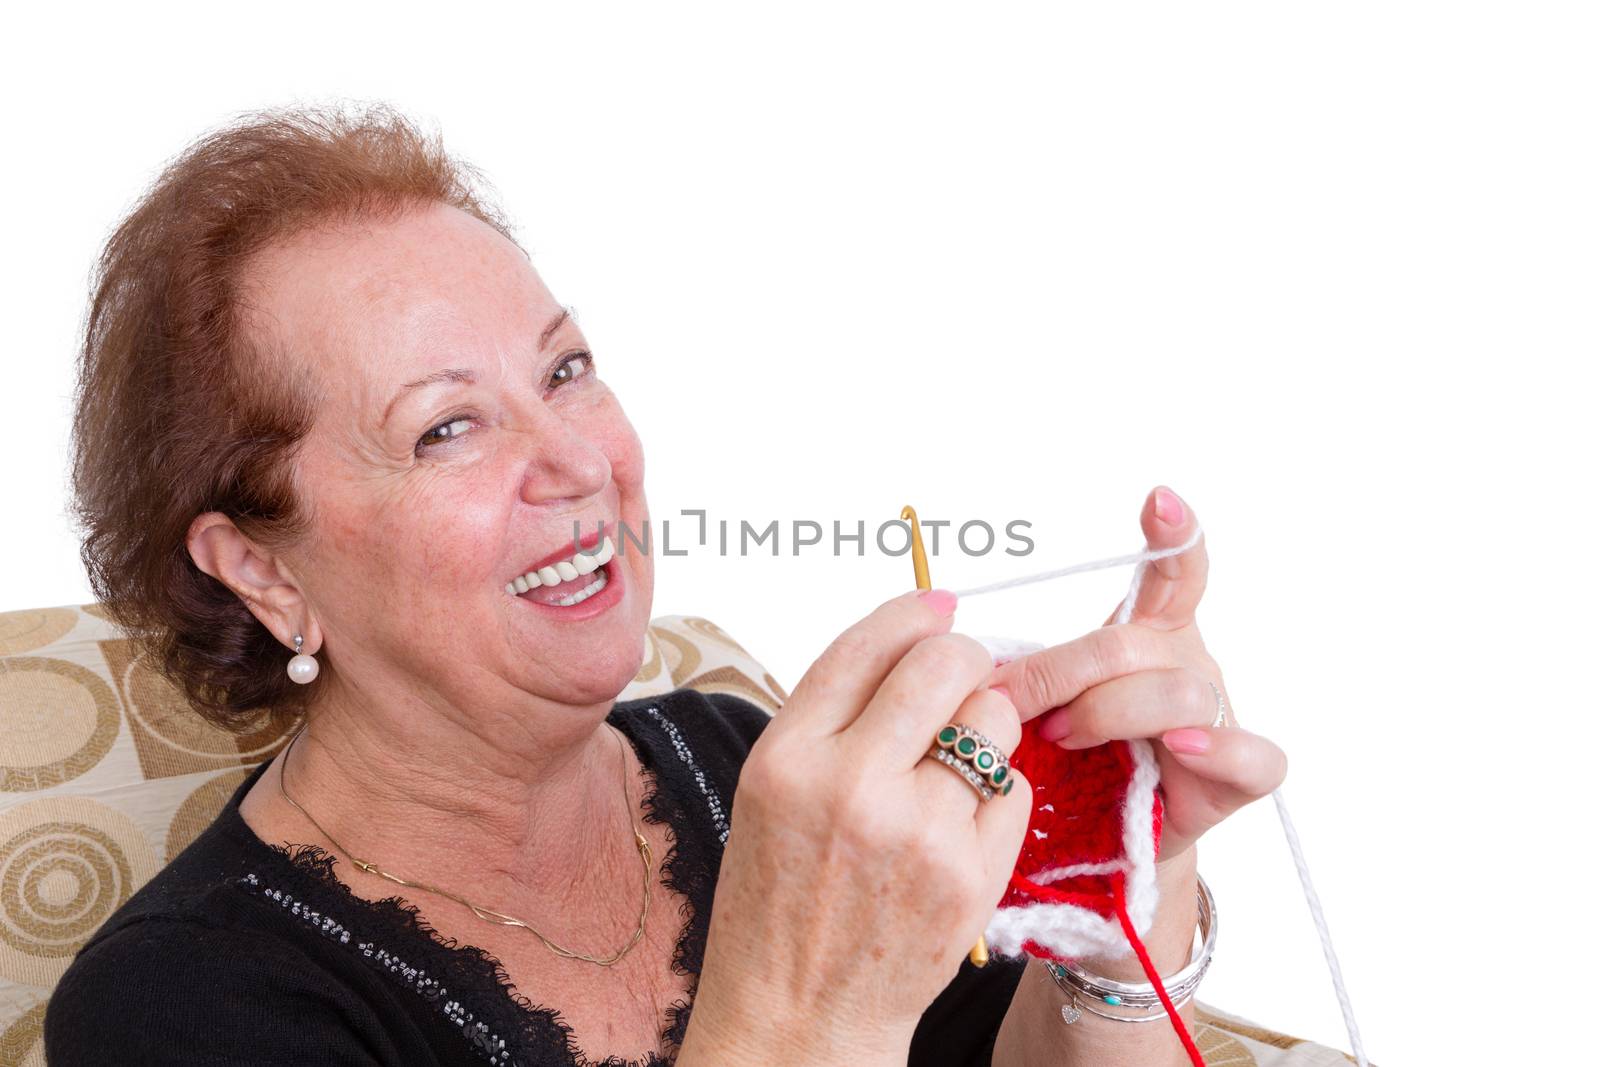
pixel 255 575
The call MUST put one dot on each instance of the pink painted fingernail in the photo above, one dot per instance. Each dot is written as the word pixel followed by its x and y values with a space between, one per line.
pixel 1193 742
pixel 1056 726
pixel 942 601
pixel 1169 509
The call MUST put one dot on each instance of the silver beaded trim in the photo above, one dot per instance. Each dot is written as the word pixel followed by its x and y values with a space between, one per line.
pixel 476 1031
pixel 714 802
pixel 322 923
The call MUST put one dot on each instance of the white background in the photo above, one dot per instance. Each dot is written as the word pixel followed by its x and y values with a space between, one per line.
pixel 1328 272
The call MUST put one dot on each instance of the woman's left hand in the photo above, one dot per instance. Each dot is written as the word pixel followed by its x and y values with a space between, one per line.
pixel 1148 678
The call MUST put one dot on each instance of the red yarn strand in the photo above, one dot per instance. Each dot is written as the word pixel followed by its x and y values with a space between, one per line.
pixel 1154 976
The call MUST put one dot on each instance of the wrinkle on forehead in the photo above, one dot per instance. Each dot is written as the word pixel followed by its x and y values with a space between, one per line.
pixel 504 361
pixel 376 305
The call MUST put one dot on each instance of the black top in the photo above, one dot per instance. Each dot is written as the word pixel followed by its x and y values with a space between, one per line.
pixel 241 952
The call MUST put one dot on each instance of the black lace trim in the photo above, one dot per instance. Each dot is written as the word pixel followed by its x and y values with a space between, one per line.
pixel 468 983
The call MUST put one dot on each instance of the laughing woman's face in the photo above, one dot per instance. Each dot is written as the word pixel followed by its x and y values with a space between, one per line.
pixel 461 429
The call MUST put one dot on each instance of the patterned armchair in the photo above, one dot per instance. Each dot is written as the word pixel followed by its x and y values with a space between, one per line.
pixel 104 775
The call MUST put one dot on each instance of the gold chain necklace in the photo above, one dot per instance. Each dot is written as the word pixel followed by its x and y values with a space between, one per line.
pixel 488 914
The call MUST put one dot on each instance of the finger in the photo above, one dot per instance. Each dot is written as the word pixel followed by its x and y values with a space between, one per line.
pixel 1144 704
pixel 1246 764
pixel 989 712
pixel 1060 674
pixel 1002 825
pixel 841 681
pixel 1171 588
pixel 920 694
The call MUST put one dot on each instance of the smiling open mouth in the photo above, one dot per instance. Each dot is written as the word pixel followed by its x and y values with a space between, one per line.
pixel 568 582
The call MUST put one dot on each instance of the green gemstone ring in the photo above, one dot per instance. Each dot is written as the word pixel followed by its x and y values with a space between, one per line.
pixel 973 756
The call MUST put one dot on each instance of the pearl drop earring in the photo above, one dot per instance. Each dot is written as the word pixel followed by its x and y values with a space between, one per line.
pixel 303 669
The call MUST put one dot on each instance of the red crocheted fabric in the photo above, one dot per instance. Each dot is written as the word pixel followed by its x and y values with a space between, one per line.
pixel 1096 817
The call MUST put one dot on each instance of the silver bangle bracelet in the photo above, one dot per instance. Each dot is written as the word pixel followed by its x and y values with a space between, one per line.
pixel 1138 1002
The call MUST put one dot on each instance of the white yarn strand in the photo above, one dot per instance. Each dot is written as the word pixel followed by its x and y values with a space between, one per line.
pixel 1142 560
pixel 1322 928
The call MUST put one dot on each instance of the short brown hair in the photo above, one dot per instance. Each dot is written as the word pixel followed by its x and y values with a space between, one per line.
pixel 181 410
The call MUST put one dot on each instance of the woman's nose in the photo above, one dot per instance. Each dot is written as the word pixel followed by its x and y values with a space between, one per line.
pixel 565 464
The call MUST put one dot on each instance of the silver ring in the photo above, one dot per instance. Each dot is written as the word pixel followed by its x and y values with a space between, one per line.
pixel 959 765
pixel 1222 705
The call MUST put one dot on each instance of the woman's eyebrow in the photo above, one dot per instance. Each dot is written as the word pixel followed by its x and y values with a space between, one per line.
pixel 554 324
pixel 459 374
pixel 453 374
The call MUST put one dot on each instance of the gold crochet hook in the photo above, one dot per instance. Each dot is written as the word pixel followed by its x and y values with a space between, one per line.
pixel 919 563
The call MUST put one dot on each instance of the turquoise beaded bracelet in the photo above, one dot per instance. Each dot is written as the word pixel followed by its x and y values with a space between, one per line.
pixel 1138 1002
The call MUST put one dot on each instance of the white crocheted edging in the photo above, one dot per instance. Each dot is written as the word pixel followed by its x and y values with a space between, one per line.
pixel 1068 930
pixel 1071 931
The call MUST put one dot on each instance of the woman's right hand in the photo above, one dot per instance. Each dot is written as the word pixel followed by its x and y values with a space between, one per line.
pixel 857 874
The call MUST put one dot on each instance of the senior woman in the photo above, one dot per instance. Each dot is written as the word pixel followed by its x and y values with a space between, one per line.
pixel 332 439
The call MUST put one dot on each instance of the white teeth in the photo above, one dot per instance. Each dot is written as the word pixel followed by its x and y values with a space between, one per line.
pixel 568 570
pixel 583 594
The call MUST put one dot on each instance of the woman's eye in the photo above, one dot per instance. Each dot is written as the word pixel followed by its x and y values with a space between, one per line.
pixel 565 373
pixel 443 432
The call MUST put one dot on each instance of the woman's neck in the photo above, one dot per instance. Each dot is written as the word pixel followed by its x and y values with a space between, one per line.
pixel 516 806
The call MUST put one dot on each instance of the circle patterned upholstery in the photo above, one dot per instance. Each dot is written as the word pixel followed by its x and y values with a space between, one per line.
pixel 105 775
